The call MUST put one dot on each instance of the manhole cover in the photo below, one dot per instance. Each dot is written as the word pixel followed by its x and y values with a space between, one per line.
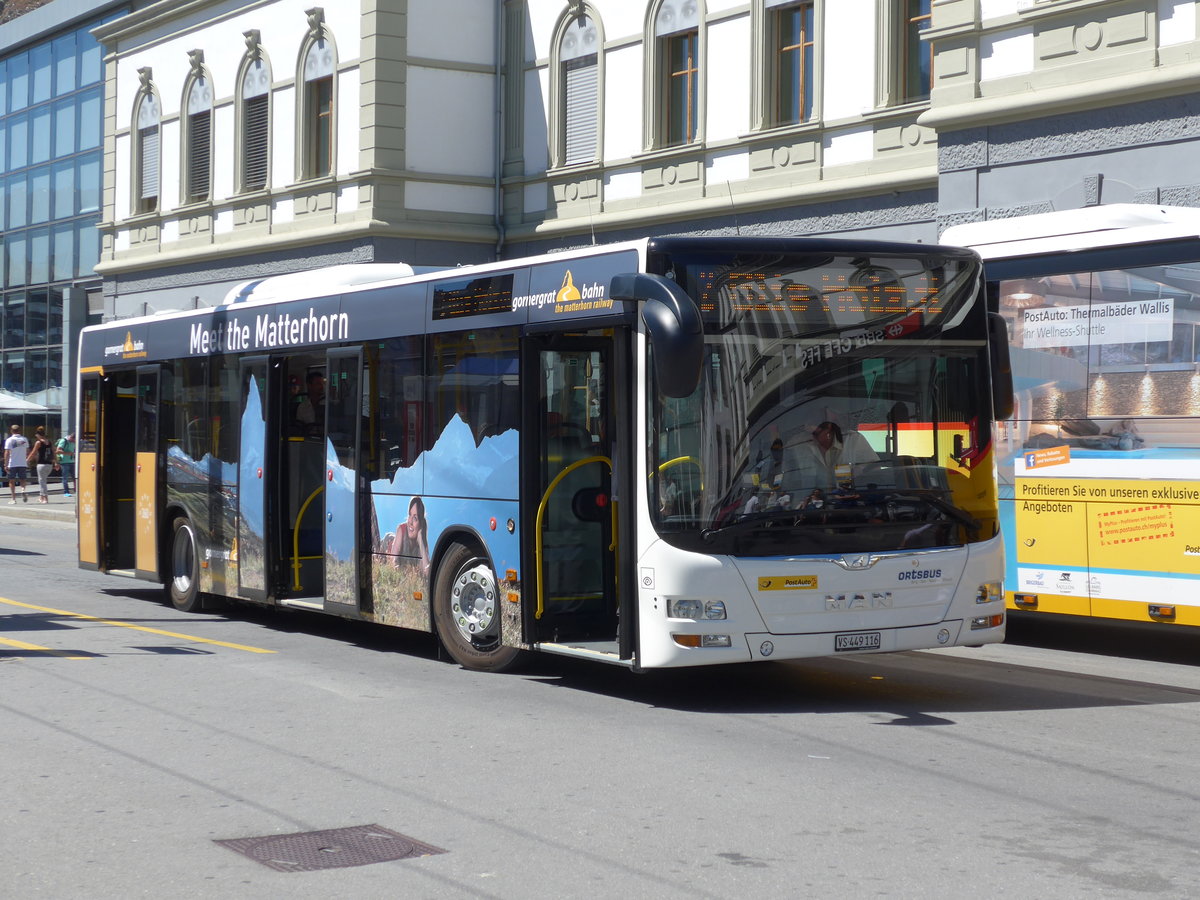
pixel 337 848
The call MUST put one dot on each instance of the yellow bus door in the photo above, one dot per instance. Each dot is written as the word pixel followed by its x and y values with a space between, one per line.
pixel 86 476
pixel 147 477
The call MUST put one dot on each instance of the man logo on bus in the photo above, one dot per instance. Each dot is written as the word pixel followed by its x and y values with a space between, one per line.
pixel 568 293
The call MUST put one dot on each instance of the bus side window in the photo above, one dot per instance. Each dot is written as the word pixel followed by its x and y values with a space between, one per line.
pixel 398 385
pixel 190 412
pixel 474 377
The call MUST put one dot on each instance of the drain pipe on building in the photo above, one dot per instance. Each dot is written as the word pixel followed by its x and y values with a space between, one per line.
pixel 498 218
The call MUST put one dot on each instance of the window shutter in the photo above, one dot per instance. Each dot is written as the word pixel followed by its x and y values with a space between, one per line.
pixel 254 146
pixel 148 155
pixel 580 115
pixel 199 155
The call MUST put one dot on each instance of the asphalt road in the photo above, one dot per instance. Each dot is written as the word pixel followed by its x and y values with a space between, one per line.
pixel 133 738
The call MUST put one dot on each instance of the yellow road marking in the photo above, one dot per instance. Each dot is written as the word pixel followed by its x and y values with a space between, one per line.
pixel 119 624
pixel 22 645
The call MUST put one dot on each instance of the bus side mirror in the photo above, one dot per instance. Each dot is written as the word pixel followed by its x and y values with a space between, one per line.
pixel 673 325
pixel 1001 366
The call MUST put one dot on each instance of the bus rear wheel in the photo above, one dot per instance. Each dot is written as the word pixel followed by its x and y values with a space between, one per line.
pixel 183 574
pixel 466 610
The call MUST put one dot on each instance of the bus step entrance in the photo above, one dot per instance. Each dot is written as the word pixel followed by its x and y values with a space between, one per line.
pixel 577 617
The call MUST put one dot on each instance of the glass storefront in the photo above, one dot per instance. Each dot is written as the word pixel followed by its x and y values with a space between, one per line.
pixel 51 153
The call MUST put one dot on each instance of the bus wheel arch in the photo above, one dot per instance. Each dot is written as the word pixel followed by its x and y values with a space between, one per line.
pixel 166 535
pixel 466 607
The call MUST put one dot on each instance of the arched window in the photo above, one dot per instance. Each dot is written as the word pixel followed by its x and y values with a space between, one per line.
pixel 146 146
pixel 254 119
pixel 577 70
pixel 318 133
pixel 676 72
pixel 197 136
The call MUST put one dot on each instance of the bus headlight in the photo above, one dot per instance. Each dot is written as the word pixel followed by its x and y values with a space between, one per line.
pixel 684 608
pixel 688 608
pixel 986 593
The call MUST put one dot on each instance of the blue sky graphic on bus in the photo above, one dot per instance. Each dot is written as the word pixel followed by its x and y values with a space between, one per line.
pixel 250 502
pixel 457 466
pixel 339 506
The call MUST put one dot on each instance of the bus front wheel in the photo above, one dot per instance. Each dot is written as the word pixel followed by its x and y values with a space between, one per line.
pixel 183 577
pixel 466 610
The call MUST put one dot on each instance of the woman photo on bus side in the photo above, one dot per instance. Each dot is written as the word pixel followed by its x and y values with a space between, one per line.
pixel 409 545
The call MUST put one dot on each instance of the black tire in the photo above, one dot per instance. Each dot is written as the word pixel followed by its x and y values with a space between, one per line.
pixel 466 611
pixel 183 568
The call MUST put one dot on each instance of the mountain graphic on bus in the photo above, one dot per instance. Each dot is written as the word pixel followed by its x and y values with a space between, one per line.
pixel 478 483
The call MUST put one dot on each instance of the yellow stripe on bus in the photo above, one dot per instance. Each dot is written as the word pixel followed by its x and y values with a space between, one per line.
pixel 173 634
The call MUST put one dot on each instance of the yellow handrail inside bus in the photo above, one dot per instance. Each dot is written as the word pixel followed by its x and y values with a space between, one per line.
pixel 542 512
pixel 296 538
pixel 679 460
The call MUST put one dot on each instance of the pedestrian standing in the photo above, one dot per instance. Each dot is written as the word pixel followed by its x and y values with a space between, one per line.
pixel 41 455
pixel 64 452
pixel 16 449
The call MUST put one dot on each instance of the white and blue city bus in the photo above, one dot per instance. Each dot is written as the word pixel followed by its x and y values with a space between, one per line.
pixel 670 452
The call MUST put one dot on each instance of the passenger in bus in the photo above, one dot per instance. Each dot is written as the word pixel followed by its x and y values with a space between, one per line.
pixel 668 495
pixel 769 470
pixel 410 543
pixel 310 412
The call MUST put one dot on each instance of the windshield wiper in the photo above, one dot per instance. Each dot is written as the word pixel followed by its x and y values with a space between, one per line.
pixel 965 519
pixel 756 521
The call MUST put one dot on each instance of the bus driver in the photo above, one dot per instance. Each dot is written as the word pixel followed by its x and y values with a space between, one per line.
pixel 818 460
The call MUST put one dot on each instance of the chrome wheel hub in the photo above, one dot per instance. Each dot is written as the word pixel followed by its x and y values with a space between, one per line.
pixel 473 602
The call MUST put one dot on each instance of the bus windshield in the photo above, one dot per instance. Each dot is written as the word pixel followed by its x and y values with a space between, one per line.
pixel 842 405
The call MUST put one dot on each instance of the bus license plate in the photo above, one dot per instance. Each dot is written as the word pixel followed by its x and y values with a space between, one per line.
pixel 860 640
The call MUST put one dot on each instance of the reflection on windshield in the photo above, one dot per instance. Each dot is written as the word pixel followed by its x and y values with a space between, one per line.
pixel 817 428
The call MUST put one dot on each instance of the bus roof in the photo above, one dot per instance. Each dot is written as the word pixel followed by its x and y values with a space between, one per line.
pixel 332 281
pixel 1075 229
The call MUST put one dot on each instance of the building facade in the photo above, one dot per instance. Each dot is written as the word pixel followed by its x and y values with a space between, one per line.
pixel 51 161
pixel 256 138
pixel 247 139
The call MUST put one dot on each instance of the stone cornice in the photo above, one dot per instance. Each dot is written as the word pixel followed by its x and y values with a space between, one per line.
pixel 1165 82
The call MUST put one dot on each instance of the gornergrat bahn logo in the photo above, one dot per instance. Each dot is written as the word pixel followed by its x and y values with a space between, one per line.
pixel 131 349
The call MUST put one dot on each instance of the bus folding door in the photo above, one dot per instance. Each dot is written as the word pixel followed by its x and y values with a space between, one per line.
pixel 255 475
pixel 147 474
pixel 570 397
pixel 343 414
pixel 87 475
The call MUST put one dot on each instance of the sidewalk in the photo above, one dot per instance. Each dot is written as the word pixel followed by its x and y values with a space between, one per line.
pixel 58 509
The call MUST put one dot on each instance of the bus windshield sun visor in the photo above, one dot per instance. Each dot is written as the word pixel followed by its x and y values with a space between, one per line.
pixel 673 324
